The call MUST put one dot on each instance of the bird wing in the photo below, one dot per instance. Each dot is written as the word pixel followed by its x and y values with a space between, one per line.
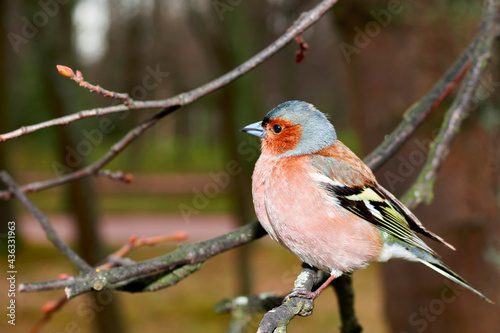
pixel 411 219
pixel 352 186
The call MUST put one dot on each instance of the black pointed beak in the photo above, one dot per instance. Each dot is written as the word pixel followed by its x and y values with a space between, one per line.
pixel 255 129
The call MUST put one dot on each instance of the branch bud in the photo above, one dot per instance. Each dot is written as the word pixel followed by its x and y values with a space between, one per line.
pixel 49 307
pixel 65 71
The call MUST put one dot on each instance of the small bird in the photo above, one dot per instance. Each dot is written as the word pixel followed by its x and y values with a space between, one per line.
pixel 316 198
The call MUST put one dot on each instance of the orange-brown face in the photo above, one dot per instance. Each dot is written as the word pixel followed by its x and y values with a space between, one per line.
pixel 281 136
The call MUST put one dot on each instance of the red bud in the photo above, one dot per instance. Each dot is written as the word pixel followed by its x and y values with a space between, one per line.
pixel 65 71
pixel 128 177
pixel 63 276
pixel 48 307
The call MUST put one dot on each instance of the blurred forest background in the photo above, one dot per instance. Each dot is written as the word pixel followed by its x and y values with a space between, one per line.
pixel 155 49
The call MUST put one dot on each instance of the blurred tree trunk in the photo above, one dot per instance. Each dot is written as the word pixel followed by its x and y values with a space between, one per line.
pixel 133 72
pixel 397 66
pixel 53 46
pixel 236 107
pixel 6 206
pixel 239 105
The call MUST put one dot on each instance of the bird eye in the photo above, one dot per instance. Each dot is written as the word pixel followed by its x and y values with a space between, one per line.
pixel 277 128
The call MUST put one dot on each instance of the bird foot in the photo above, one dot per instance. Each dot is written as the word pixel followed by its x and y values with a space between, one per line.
pixel 303 293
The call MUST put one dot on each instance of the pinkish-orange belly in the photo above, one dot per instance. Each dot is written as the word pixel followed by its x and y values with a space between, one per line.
pixel 295 212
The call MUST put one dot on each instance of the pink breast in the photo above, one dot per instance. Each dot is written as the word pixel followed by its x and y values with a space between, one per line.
pixel 295 211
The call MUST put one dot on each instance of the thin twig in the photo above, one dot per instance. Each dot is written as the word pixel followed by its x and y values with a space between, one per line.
pixel 418 112
pixel 116 175
pixel 305 20
pixel 244 308
pixel 422 189
pixel 135 242
pixel 94 168
pixel 78 78
pixel 188 254
pixel 52 236
pixel 49 308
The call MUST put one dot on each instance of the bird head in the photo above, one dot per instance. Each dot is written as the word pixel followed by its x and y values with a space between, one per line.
pixel 293 128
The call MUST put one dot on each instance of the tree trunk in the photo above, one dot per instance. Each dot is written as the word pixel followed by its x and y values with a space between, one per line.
pixel 80 195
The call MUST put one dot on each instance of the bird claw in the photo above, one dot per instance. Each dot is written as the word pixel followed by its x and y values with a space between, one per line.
pixel 302 293
pixel 306 294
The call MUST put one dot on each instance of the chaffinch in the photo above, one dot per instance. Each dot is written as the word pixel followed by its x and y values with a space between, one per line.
pixel 315 197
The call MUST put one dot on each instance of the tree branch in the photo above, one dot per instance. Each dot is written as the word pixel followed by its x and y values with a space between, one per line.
pixel 345 298
pixel 418 112
pixel 305 20
pixel 244 308
pixel 278 319
pixel 52 236
pixel 94 169
pixel 78 78
pixel 184 255
pixel 462 106
pixel 114 259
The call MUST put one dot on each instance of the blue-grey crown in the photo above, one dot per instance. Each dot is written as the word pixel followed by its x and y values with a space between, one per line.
pixel 317 131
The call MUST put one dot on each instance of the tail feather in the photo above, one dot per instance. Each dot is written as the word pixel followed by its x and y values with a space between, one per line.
pixel 444 270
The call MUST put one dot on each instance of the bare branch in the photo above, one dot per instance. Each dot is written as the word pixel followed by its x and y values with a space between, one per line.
pixel 115 259
pixel 277 319
pixel 345 298
pixel 463 105
pixel 244 308
pixel 305 20
pixel 134 243
pixel 310 279
pixel 78 78
pixel 52 236
pixel 117 175
pixel 188 254
pixel 94 169
pixel 48 309
pixel 172 278
pixel 417 112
